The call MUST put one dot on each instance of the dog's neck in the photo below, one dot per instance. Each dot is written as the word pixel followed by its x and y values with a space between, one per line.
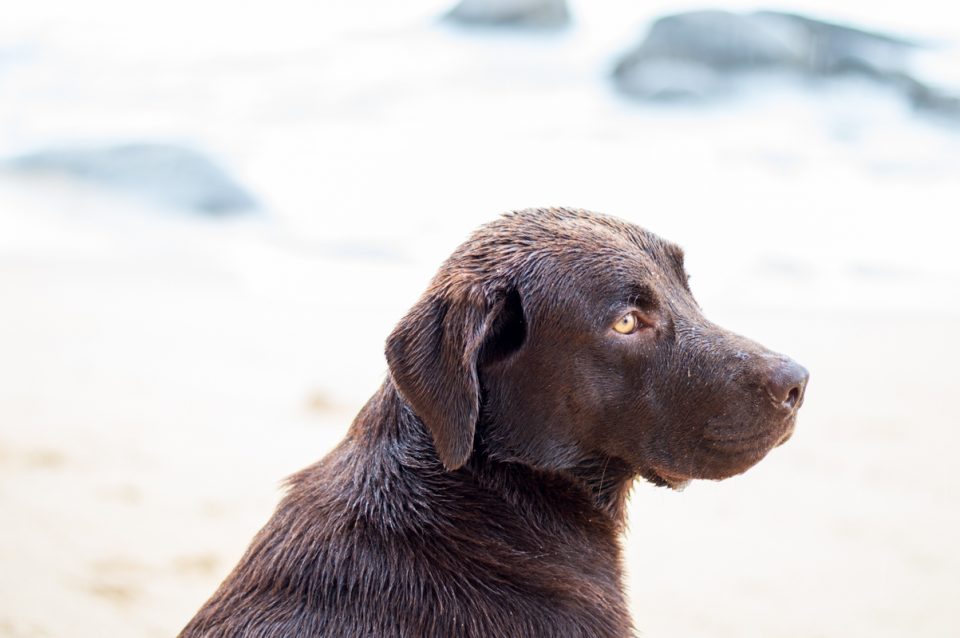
pixel 596 488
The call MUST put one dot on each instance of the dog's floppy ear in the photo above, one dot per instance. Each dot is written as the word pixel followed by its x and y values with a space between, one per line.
pixel 433 355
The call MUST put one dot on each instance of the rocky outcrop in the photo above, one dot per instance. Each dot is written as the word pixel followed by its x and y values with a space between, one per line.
pixel 702 54
pixel 537 14
pixel 163 174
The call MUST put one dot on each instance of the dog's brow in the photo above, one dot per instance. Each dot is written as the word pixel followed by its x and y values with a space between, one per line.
pixel 676 255
pixel 640 294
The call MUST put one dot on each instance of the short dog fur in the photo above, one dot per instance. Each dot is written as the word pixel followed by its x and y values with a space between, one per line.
pixel 556 356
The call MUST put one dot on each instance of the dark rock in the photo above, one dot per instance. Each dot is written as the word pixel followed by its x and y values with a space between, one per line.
pixel 932 100
pixel 164 174
pixel 701 54
pixel 824 48
pixel 538 14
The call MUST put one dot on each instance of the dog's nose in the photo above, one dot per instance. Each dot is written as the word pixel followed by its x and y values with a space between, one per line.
pixel 786 383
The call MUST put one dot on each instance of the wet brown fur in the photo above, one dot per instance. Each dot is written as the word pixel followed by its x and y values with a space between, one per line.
pixel 481 491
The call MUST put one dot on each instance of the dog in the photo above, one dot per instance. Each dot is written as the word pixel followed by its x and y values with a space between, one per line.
pixel 557 356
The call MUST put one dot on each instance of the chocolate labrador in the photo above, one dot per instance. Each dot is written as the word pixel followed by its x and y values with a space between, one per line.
pixel 556 356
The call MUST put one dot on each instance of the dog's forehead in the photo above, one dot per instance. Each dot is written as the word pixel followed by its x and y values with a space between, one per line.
pixel 594 245
pixel 561 259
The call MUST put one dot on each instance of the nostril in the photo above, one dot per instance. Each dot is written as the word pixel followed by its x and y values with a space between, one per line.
pixel 792 397
pixel 786 383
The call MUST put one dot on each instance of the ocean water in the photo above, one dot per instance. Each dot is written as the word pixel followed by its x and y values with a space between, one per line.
pixel 372 123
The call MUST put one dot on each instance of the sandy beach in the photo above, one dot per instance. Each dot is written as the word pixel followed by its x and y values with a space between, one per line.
pixel 151 407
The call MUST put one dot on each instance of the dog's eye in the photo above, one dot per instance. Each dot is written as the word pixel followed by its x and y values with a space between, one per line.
pixel 627 324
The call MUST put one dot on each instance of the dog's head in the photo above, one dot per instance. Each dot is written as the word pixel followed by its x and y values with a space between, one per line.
pixel 569 336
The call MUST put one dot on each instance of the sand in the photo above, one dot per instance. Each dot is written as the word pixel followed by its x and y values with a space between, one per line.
pixel 151 404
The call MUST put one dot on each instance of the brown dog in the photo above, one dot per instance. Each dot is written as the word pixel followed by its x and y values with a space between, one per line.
pixel 557 355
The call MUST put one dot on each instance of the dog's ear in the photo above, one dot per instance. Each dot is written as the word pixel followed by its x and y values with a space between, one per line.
pixel 433 355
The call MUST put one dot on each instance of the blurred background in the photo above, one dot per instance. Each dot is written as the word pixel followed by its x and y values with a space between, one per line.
pixel 212 213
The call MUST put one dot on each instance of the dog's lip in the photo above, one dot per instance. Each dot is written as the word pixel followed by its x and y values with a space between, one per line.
pixel 767 438
pixel 673 481
pixel 678 484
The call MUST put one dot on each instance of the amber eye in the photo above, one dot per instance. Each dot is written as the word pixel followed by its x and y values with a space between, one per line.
pixel 627 324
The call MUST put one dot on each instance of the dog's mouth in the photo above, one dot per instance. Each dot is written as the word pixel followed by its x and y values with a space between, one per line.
pixel 737 441
pixel 727 453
